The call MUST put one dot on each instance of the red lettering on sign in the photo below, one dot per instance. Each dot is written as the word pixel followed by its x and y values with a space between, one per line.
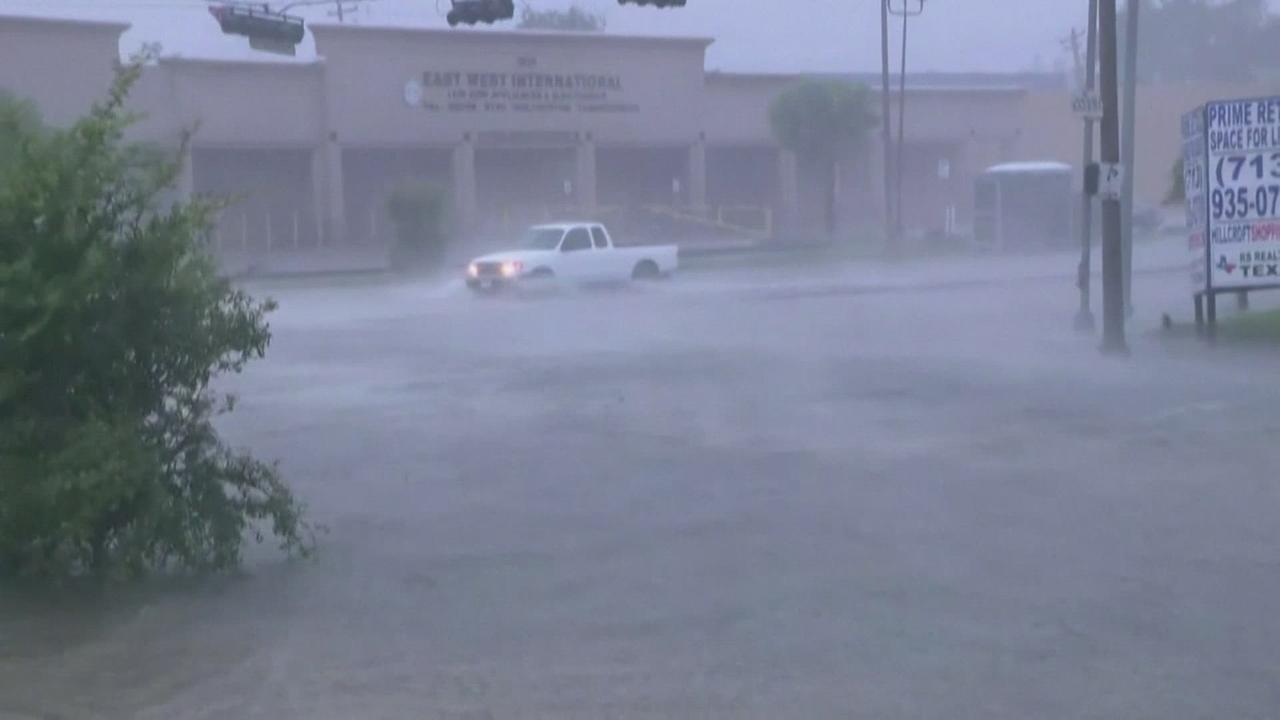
pixel 1265 231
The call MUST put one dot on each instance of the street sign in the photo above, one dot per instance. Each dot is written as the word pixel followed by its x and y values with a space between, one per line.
pixel 1236 191
pixel 1193 182
pixel 1087 104
pixel 1110 181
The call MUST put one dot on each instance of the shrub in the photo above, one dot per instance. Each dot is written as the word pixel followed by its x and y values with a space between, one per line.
pixel 113 324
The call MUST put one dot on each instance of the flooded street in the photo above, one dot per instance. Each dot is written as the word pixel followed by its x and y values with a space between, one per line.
pixel 640 360
pixel 723 496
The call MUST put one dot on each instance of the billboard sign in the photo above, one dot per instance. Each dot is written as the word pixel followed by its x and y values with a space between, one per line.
pixel 1240 199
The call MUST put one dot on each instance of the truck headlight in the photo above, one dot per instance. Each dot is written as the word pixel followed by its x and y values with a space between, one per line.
pixel 473 270
pixel 511 269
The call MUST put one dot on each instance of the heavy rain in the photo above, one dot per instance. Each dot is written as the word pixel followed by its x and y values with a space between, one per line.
pixel 754 448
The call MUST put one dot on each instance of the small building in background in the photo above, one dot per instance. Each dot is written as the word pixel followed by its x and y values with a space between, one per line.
pixel 1024 206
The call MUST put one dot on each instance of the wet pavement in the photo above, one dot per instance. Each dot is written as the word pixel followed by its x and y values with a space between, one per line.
pixel 896 492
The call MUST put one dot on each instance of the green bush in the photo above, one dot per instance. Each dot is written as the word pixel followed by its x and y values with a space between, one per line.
pixel 418 211
pixel 113 324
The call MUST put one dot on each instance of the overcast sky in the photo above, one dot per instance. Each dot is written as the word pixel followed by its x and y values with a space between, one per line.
pixel 770 35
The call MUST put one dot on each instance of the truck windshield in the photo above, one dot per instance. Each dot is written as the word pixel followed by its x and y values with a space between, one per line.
pixel 541 239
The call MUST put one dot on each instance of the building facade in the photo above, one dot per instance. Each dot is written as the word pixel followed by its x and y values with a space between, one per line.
pixel 521 126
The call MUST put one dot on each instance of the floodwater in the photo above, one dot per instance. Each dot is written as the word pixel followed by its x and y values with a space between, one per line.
pixel 896 492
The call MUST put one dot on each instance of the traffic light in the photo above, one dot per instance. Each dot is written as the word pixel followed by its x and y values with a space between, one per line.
pixel 655 3
pixel 266 30
pixel 470 12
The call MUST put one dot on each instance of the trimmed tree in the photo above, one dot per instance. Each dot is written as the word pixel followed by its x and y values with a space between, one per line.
pixel 113 326
pixel 817 119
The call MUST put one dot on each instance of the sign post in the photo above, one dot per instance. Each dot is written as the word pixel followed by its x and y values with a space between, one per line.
pixel 1087 105
pixel 1111 178
pixel 1231 157
pixel 1084 316
pixel 1113 342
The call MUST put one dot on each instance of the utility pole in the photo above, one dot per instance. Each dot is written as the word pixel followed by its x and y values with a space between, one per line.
pixel 900 171
pixel 905 13
pixel 1084 316
pixel 1129 131
pixel 1072 43
pixel 1113 342
pixel 886 135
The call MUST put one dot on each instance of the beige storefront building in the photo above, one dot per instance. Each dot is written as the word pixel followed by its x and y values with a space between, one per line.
pixel 525 125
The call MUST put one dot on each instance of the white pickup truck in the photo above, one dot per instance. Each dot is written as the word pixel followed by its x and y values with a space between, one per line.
pixel 574 252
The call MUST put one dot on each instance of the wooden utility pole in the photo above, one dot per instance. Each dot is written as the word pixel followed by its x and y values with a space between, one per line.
pixel 1128 132
pixel 1072 43
pixel 1113 341
pixel 886 135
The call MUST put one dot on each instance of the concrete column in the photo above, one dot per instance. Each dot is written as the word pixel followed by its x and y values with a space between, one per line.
pixel 964 172
pixel 585 176
pixel 873 182
pixel 788 191
pixel 328 192
pixel 853 187
pixel 464 183
pixel 698 174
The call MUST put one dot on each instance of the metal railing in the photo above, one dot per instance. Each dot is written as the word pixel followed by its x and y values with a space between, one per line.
pixel 754 221
pixel 250 232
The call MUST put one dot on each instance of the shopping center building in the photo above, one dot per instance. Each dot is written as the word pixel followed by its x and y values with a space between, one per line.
pixel 525 125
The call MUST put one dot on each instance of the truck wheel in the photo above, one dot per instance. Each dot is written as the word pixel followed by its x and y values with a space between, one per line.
pixel 645 270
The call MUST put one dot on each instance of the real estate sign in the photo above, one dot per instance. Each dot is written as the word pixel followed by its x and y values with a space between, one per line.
pixel 1231 171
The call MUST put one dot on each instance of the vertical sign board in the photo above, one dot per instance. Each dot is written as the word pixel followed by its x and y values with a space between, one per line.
pixel 1193 162
pixel 1241 176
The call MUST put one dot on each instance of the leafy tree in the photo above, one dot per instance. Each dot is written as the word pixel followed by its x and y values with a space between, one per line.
pixel 113 325
pixel 816 119
pixel 19 120
pixel 575 18
pixel 1207 41
pixel 417 210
